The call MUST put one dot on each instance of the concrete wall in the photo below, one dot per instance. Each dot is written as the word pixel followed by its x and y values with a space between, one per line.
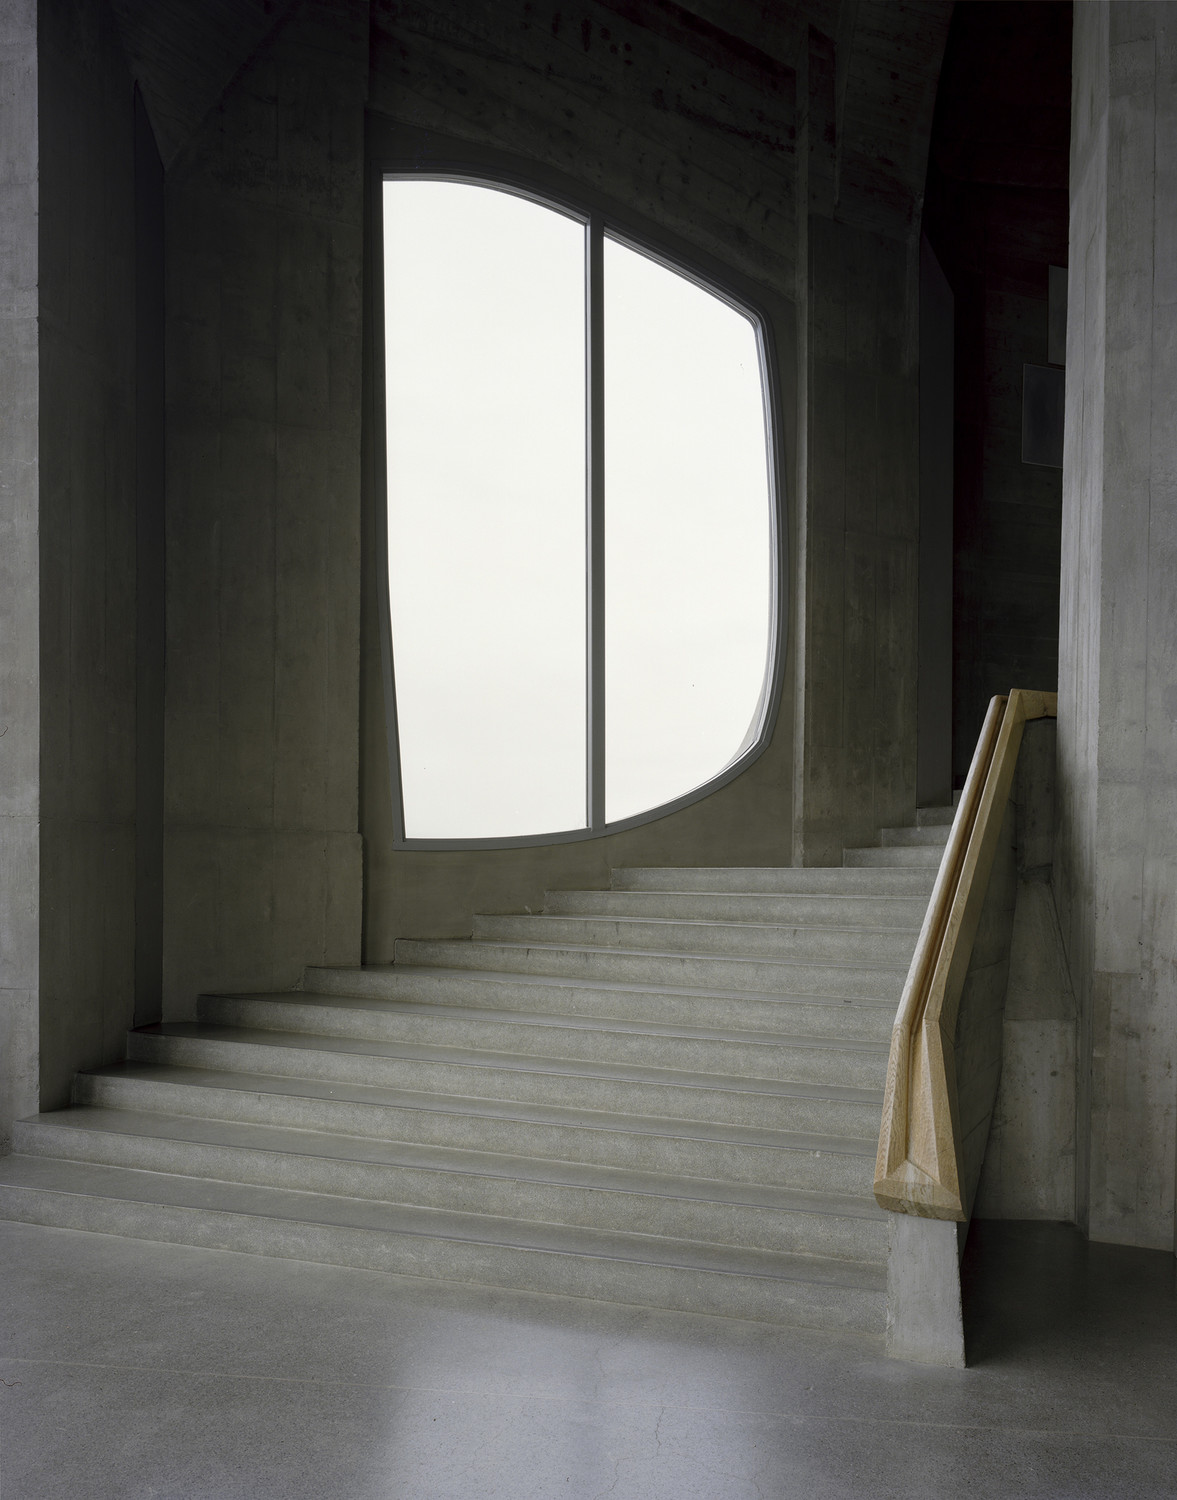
pixel 1116 866
pixel 87 542
pixel 19 584
pixel 696 135
pixel 265 248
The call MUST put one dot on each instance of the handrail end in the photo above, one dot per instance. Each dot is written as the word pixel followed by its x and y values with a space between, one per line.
pixel 911 1191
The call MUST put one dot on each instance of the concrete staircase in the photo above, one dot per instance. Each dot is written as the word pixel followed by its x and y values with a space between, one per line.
pixel 667 1093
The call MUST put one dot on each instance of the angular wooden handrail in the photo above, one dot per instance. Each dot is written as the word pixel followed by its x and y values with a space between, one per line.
pixel 919 1169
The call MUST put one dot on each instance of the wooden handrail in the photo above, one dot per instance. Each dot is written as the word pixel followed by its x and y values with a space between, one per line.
pixel 919 1166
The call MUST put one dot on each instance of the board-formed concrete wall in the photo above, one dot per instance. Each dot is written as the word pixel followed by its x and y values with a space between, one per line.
pixel 265 248
pixel 19 582
pixel 1116 863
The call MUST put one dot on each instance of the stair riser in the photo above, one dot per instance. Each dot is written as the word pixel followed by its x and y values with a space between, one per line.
pixel 796 944
pixel 821 1171
pixel 674 1101
pixel 914 858
pixel 929 835
pixel 699 906
pixel 835 1017
pixel 844 1237
pixel 813 1064
pixel 934 817
pixel 836 881
pixel 866 982
pixel 765 1299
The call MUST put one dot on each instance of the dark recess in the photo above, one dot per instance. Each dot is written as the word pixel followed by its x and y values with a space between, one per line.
pixel 996 214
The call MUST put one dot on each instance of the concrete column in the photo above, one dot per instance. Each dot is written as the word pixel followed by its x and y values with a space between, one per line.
pixel 264 220
pixel 1116 864
pixel 855 761
pixel 19 579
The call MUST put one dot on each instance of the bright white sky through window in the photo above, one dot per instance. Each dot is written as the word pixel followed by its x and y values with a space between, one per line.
pixel 485 362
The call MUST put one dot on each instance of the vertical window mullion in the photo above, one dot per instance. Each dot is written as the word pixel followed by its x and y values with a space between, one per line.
pixel 595 517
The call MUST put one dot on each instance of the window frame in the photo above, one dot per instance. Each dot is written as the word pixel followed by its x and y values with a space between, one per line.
pixel 399 152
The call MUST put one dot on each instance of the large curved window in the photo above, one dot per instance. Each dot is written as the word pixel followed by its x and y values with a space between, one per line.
pixel 580 519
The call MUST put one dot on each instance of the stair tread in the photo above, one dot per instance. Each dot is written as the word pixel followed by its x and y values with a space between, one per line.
pixel 676 954
pixel 750 871
pixel 197 1129
pixel 499 1109
pixel 557 1022
pixel 212 1195
pixel 612 986
pixel 886 930
pixel 805 903
pixel 511 1062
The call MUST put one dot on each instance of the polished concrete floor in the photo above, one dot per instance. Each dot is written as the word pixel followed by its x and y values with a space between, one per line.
pixel 133 1370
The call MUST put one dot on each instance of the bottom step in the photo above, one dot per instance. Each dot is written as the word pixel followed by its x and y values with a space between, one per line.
pixel 798 1290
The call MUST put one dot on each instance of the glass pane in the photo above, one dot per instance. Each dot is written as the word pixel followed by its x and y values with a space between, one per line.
pixel 687 533
pixel 484 299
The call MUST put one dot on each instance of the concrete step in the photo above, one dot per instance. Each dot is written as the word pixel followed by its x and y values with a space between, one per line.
pixel 534 1190
pixel 798 1015
pixel 665 1092
pixel 824 1145
pixel 694 1049
pixel 778 880
pixel 927 817
pixel 817 944
pixel 807 910
pixel 644 1269
pixel 911 857
pixel 642 966
pixel 932 834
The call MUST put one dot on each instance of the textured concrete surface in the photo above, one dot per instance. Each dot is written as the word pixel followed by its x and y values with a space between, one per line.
pixel 925 1320
pixel 1116 868
pixel 294 1380
pixel 19 590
